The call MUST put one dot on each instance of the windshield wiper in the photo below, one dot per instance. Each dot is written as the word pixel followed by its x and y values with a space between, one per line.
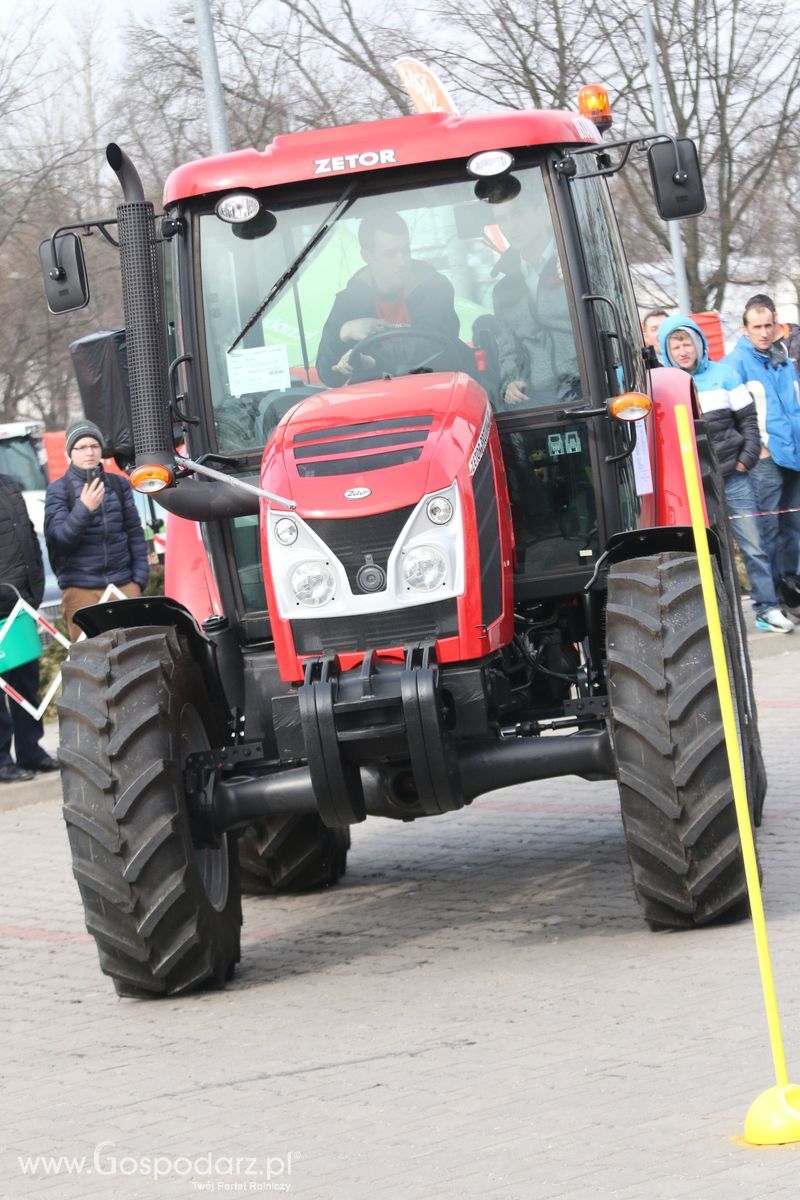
pixel 338 210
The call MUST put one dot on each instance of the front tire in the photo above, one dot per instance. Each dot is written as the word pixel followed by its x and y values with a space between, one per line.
pixel 292 854
pixel 165 914
pixel 675 788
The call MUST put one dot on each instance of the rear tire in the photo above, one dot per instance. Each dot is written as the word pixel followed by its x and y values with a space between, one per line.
pixel 675 789
pixel 165 914
pixel 292 854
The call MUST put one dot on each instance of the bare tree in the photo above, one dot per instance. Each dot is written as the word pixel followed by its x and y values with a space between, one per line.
pixel 730 77
pixel 48 178
pixel 299 70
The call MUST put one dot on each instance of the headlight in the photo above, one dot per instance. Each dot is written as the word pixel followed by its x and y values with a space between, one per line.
pixel 313 583
pixel 440 510
pixel 237 207
pixel 286 531
pixel 424 568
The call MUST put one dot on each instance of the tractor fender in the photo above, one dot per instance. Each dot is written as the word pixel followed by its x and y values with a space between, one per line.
pixel 160 612
pixel 640 543
pixel 671 387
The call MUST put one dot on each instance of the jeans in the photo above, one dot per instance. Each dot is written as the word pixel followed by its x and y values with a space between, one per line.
pixel 19 724
pixel 778 488
pixel 741 496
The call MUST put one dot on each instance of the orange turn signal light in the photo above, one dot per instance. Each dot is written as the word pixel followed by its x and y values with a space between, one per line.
pixel 630 406
pixel 151 477
pixel 593 103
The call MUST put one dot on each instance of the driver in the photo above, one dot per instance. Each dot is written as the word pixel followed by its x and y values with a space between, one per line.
pixel 393 289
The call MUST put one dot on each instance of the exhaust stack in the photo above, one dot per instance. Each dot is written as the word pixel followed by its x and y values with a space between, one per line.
pixel 144 316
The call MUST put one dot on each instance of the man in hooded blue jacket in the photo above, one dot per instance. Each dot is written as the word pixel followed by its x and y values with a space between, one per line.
pixel 765 369
pixel 730 416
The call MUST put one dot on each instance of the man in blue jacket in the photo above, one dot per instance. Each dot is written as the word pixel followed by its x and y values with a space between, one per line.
pixel 92 529
pixel 730 417
pixel 763 366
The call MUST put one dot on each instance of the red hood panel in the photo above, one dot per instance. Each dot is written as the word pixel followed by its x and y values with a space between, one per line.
pixel 399 438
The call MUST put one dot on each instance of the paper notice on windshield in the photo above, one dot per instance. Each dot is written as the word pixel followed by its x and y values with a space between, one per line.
pixel 258 369
pixel 642 474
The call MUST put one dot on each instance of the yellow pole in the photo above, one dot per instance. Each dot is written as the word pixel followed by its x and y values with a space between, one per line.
pixel 692 478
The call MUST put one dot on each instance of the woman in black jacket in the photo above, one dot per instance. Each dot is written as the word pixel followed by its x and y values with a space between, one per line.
pixel 21 573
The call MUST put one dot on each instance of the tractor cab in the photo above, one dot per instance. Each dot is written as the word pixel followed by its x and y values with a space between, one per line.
pixel 359 263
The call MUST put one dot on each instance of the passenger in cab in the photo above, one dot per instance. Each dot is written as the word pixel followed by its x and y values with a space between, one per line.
pixel 391 290
pixel 535 342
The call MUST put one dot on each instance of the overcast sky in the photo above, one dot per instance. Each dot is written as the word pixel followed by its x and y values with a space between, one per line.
pixel 112 15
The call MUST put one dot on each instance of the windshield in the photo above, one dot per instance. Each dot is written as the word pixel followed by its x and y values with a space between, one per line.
pixel 430 278
pixel 18 457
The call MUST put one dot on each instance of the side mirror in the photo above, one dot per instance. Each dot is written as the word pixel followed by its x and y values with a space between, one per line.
pixel 677 182
pixel 66 284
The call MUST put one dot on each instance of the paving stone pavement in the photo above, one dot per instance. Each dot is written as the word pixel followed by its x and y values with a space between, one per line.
pixel 477 1011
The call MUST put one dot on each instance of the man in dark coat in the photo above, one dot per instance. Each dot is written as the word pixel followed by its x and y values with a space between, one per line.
pixel 21 573
pixel 535 339
pixel 92 528
pixel 393 289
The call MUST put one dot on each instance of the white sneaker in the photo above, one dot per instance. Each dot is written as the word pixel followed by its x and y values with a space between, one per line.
pixel 773 621
pixel 793 613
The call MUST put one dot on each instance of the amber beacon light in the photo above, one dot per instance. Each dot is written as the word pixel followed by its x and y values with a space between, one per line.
pixel 630 406
pixel 593 103
pixel 151 477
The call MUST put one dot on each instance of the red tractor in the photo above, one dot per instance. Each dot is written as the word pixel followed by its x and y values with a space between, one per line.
pixel 428 531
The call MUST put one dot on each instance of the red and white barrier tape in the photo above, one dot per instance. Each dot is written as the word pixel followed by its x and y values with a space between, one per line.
pixel 22 606
pixel 777 512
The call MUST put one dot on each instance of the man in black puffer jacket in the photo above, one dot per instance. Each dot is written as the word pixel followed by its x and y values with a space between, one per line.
pixel 21 573
pixel 93 533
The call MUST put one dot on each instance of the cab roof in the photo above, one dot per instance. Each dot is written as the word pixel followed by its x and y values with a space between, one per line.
pixel 375 145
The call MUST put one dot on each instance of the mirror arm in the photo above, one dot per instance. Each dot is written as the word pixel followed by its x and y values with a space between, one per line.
pixel 57 271
pixel 566 166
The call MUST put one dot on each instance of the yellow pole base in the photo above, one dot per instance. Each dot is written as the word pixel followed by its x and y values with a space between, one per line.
pixel 774 1118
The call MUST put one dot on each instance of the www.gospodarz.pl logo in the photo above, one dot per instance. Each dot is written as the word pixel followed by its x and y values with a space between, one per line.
pixel 207 1172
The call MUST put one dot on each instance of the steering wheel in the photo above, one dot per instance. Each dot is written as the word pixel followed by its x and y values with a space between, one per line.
pixel 274 405
pixel 399 363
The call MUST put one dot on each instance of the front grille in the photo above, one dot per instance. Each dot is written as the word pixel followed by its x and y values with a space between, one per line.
pixel 353 538
pixel 369 446
pixel 340 431
pixel 376 631
pixel 347 465
pixel 376 442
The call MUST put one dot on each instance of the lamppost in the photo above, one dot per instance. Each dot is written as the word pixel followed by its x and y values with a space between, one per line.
pixel 212 84
pixel 676 246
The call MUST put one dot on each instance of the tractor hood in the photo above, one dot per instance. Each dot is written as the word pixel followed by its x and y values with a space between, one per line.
pixel 364 449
